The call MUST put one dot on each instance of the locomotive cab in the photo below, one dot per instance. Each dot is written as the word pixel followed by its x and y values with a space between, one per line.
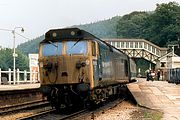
pixel 66 65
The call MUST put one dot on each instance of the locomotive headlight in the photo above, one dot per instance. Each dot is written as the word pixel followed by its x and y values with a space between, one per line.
pixel 54 34
pixel 72 33
pixel 41 64
pixel 87 62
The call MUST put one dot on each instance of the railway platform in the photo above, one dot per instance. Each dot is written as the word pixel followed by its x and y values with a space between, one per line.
pixel 19 87
pixel 159 95
pixel 12 95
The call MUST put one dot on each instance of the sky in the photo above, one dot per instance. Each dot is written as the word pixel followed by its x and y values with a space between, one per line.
pixel 38 16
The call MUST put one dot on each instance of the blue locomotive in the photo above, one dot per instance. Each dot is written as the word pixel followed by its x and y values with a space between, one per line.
pixel 77 67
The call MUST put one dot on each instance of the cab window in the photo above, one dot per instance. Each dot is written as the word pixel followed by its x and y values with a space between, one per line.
pixel 51 49
pixel 93 49
pixel 74 47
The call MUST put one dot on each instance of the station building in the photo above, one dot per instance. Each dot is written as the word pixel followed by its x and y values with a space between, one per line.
pixel 169 61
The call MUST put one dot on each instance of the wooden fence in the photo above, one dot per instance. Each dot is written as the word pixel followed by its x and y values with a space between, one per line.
pixel 22 77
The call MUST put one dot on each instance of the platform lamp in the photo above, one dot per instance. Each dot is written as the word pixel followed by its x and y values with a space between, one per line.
pixel 14 52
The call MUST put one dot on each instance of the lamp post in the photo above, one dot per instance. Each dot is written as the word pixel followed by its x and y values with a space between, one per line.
pixel 173 54
pixel 14 52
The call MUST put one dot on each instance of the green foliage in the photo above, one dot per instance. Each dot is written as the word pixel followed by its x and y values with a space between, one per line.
pixel 153 115
pixel 160 27
pixel 163 27
pixel 102 29
pixel 22 61
pixel 143 65
pixel 130 25
pixel 6 60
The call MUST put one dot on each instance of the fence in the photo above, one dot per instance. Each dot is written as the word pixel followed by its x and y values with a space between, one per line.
pixel 174 75
pixel 22 77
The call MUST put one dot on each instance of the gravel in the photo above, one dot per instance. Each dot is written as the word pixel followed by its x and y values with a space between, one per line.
pixel 124 111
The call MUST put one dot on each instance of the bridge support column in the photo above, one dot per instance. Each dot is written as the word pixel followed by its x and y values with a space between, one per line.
pixel 139 72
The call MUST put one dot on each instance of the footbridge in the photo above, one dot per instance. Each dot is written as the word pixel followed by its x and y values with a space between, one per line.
pixel 139 48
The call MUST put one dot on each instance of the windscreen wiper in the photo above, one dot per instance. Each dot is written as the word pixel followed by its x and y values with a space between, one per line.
pixel 52 44
pixel 76 43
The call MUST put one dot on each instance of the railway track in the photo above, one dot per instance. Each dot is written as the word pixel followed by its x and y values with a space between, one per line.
pixel 18 107
pixel 81 114
pixel 101 110
pixel 52 115
pixel 39 114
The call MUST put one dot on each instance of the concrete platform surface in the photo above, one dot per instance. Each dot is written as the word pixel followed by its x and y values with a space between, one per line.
pixel 158 95
pixel 19 87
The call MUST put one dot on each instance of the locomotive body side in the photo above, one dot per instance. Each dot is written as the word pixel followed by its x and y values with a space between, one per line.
pixel 133 70
pixel 112 67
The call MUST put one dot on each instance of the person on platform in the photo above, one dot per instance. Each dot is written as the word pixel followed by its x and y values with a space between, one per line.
pixel 147 75
pixel 158 75
pixel 153 75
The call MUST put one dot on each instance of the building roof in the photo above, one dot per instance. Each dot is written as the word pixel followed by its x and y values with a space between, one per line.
pixel 170 54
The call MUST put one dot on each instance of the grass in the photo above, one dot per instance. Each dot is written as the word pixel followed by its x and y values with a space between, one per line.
pixel 146 114
pixel 153 115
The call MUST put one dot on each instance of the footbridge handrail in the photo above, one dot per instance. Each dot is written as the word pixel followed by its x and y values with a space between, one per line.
pixel 139 48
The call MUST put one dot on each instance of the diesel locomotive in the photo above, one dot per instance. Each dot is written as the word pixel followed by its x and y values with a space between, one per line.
pixel 76 67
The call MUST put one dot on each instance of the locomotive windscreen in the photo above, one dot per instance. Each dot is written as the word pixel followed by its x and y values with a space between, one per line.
pixel 51 49
pixel 71 47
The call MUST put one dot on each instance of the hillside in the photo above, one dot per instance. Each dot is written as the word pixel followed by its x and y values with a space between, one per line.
pixel 160 27
pixel 30 46
pixel 101 29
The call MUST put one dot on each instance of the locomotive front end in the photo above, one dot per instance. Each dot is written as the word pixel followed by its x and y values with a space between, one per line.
pixel 63 67
pixel 64 64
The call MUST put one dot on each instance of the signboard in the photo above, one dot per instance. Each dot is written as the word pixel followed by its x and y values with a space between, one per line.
pixel 33 65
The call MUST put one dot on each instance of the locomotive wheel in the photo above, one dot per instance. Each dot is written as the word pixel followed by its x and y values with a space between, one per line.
pixel 55 99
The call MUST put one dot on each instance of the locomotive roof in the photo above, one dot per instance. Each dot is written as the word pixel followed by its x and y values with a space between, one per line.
pixel 73 33
pixel 67 33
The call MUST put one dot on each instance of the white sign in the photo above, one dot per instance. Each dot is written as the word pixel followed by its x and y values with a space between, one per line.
pixel 33 65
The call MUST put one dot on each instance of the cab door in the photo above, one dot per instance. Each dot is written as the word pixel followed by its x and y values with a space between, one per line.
pixel 96 63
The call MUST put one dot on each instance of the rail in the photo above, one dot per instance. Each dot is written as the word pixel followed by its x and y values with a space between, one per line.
pixel 22 77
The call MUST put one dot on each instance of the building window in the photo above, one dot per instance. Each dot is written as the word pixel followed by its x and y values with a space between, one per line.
pixel 136 44
pixel 127 44
pixel 110 43
pixel 149 47
pixel 93 48
pixel 118 44
pixel 163 64
pixel 131 44
pixel 122 44
pixel 113 44
pixel 140 45
pixel 153 49
pixel 158 52
pixel 145 45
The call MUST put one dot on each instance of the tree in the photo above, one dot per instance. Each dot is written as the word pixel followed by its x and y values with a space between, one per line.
pixel 162 24
pixel 130 26
pixel 30 46
pixel 6 60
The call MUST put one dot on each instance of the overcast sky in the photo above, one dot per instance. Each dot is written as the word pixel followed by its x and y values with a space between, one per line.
pixel 38 16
